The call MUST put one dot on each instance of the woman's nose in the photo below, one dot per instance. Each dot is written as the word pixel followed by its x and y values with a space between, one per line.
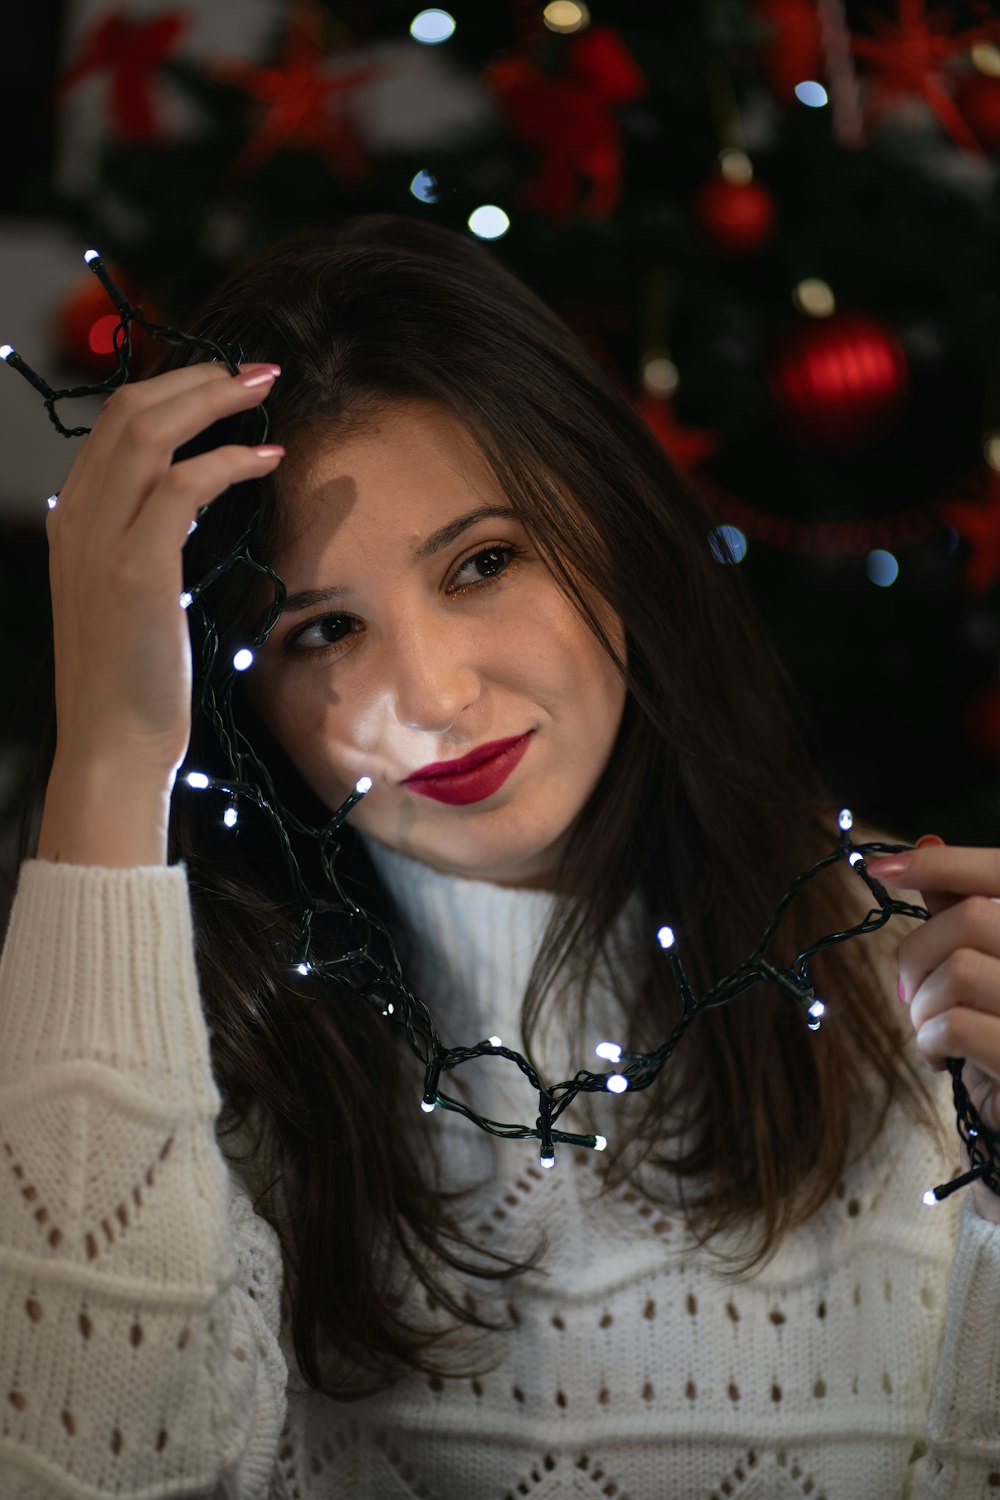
pixel 435 679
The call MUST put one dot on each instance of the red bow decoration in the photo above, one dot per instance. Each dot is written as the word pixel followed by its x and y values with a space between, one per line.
pixel 571 118
pixel 130 51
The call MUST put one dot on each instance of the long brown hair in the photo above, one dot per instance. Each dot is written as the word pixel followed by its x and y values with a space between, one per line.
pixel 709 807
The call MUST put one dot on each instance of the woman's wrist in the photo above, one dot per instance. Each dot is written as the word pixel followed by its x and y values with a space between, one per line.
pixel 105 813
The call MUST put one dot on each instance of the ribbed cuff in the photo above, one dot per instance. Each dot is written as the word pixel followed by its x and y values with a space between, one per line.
pixel 98 965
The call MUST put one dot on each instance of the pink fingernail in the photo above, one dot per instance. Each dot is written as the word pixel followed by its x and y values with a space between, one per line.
pixel 894 866
pixel 901 992
pixel 259 377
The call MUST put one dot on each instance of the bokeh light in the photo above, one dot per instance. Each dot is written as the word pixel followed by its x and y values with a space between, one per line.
pixel 488 222
pixel 565 16
pixel 425 187
pixel 815 298
pixel 811 93
pixel 432 27
pixel 881 567
pixel 728 544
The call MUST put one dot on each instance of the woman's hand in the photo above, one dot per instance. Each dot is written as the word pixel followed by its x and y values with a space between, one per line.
pixel 123 672
pixel 949 972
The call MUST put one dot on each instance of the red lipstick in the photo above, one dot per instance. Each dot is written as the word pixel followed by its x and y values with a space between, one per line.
pixel 476 776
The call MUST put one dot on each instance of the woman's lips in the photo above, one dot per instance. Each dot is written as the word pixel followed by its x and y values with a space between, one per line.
pixel 480 780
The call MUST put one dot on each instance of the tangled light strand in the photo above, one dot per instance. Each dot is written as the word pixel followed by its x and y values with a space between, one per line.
pixel 381 982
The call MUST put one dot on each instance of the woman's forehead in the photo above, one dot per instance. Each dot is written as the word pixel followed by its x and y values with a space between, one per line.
pixel 403 469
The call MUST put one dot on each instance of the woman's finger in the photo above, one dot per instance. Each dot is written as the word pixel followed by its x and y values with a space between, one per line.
pixel 163 523
pixel 966 1033
pixel 967 979
pixel 943 868
pixel 970 924
pixel 132 452
pixel 155 388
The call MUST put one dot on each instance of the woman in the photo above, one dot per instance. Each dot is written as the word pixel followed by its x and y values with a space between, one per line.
pixel 239 1259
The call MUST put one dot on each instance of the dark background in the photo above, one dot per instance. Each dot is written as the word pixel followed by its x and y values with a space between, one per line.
pixel 881 587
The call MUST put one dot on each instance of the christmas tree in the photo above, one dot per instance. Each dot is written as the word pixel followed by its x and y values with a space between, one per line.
pixel 773 222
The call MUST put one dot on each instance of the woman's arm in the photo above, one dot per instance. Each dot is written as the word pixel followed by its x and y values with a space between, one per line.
pixel 139 1317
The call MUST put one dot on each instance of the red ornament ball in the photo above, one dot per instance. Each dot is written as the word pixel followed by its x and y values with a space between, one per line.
pixel 841 381
pixel 978 98
pixel 738 217
pixel 84 324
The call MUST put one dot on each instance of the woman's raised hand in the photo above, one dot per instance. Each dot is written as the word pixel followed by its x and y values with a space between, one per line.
pixel 949 972
pixel 123 675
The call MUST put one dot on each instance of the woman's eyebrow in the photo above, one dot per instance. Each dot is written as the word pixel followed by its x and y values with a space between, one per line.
pixel 309 598
pixel 446 534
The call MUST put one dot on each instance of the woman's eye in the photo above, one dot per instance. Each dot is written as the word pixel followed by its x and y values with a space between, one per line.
pixel 320 634
pixel 491 562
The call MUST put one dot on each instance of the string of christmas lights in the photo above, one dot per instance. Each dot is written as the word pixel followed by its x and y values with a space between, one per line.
pixel 381 983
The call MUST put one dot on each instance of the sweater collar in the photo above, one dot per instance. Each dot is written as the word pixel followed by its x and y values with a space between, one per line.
pixel 471 948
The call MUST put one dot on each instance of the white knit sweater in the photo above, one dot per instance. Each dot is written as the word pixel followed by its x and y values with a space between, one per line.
pixel 141 1352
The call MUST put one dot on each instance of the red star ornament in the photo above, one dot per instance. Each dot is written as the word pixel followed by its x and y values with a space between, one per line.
pixel 304 101
pixel 907 59
pixel 978 523
pixel 687 447
pixel 130 52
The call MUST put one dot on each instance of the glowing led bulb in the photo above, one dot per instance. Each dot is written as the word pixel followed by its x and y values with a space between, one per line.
pixel 600 1141
pixel 427 1105
pixel 90 255
pixel 494 1041
pixel 930 1199
pixel 6 350
pixel 230 816
pixel 665 937
pixel 617 1083
pixel 197 779
pixel 303 968
pixel 855 858
pixel 846 819
pixel 52 502
pixel 548 1159
pixel 817 1008
pixel 364 785
pixel 185 600
pixel 243 659
pixel 610 1051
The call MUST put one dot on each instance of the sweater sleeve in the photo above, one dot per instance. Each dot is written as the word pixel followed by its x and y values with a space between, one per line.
pixel 962 1461
pixel 139 1294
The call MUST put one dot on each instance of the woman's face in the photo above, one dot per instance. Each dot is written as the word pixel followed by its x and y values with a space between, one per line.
pixel 420 627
